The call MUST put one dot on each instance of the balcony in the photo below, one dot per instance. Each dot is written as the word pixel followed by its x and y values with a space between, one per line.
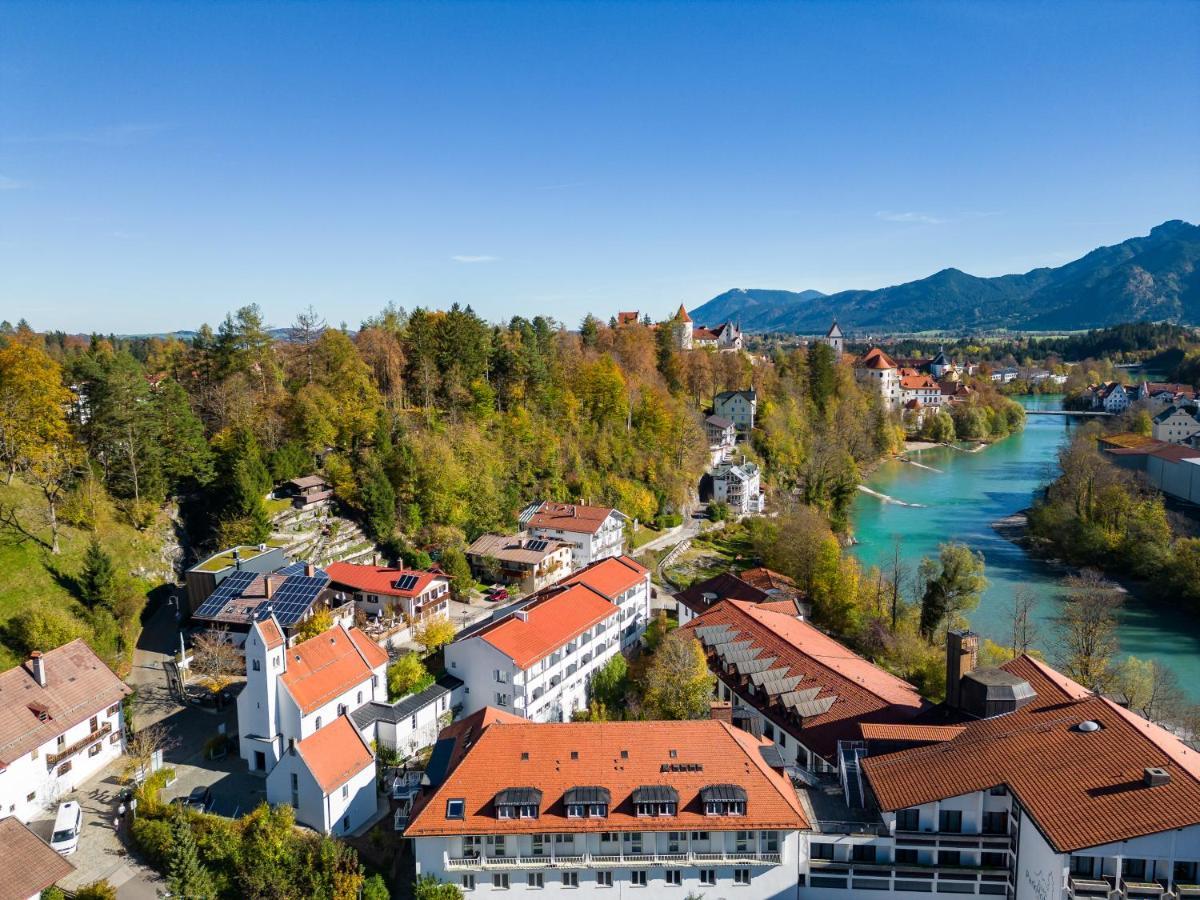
pixel 53 759
pixel 609 860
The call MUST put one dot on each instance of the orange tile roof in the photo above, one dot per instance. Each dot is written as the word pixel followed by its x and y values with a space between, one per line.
pixel 877 359
pixel 768 580
pixel 380 579
pixel 683 314
pixel 612 576
pixel 335 754
pixel 1083 789
pixel 573 517
pixel 272 637
pixel 550 622
pixel 627 318
pixel 78 685
pixel 918 382
pixel 619 756
pixel 901 731
pixel 861 690
pixel 328 665
pixel 27 864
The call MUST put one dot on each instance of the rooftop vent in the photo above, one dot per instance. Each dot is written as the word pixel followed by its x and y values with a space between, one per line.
pixel 1088 726
pixel 1154 776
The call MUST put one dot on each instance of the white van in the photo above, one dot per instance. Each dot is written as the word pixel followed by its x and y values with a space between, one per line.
pixel 67 825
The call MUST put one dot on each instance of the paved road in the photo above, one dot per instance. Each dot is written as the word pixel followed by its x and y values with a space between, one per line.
pixel 689 529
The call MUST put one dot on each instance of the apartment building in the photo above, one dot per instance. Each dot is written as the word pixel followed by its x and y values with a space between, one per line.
pixel 740 407
pixel 596 532
pixel 794 685
pixel 625 583
pixel 531 563
pixel 674 809
pixel 739 486
pixel 537 656
pixel 385 590
pixel 61 722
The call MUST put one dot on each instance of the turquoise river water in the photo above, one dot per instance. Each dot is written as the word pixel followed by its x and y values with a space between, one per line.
pixel 960 502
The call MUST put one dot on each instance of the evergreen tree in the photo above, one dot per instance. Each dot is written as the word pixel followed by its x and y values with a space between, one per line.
pixel 378 500
pixel 97 581
pixel 186 875
pixel 186 458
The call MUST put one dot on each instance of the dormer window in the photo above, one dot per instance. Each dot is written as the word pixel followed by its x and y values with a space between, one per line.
pixel 42 713
pixel 587 802
pixel 655 800
pixel 723 800
pixel 519 803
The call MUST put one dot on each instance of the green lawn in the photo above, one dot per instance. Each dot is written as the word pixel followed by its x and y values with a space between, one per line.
pixel 31 573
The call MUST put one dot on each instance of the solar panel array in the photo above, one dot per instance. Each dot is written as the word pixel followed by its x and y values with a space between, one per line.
pixel 229 589
pixel 292 599
pixel 407 582
pixel 297 568
pixel 537 546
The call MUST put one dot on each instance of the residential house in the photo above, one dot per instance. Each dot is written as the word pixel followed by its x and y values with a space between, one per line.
pixel 1111 397
pixel 61 723
pixel 293 594
pixel 942 365
pixel 1176 424
pixel 625 583
pixel 204 577
pixel 1034 788
pixel 537 656
pixel 878 369
pixel 704 338
pixel 27 864
pixel 1162 393
pixel 293 692
pixel 922 389
pixel 385 591
pixel 669 809
pixel 531 563
pixel 795 685
pixel 739 486
pixel 835 341
pixel 628 318
pixel 955 392
pixel 722 435
pixel 739 407
pixel 758 586
pixel 682 329
pixel 410 724
pixel 306 492
pixel 596 532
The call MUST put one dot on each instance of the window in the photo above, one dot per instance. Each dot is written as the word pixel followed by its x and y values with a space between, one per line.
pixel 994 860
pixel 468 882
pixel 674 877
pixel 62 741
pixel 741 876
pixel 821 850
pixel 949 858
pixel 708 876
pixel 863 853
pixel 570 879
pixel 256 666
pixel 539 842
pixel 455 809
pixel 637 879
pixel 770 841
pixel 699 835
pixel 998 791
pixel 742 841
pixel 535 880
pixel 496 844
pixel 604 879
pixel 501 676
pixel 995 822
pixel 115 737
pixel 471 844
pixel 345 791
pixel 674 840
pixel 358 699
pixel 342 709
pixel 29 798
pixel 501 700
pixel 94 723
pixel 113 710
pixel 318 723
pixel 906 856
pixel 500 881
pixel 64 768
pixel 908 820
pixel 950 820
pixel 1134 870
pixel 413 722
pixel 95 749
pixel 375 684
pixel 1185 873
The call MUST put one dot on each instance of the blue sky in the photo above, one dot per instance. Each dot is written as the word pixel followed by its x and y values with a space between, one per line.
pixel 162 163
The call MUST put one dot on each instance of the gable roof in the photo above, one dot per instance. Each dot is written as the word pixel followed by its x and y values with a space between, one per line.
pixel 557 616
pixel 576 518
pixel 619 757
pixel 328 665
pixel 515 547
pixel 834 331
pixel 749 393
pixel 381 579
pixel 826 684
pixel 1083 789
pixel 77 685
pixel 769 580
pixel 27 864
pixel 918 382
pixel 701 333
pixel 627 318
pixel 876 359
pixel 335 754
pixel 725 586
pixel 612 576
pixel 719 422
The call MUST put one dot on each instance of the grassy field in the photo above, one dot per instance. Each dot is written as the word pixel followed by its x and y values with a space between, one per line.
pixel 723 550
pixel 32 574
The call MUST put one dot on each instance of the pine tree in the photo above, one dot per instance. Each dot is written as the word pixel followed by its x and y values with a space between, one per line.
pixel 97 581
pixel 186 875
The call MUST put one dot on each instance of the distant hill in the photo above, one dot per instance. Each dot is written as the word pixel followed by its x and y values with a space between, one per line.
pixel 1152 278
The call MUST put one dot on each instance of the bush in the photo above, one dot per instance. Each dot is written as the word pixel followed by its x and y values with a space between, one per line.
pixel 375 888
pixel 152 837
pixel 718 512
pixel 97 890
pixel 407 675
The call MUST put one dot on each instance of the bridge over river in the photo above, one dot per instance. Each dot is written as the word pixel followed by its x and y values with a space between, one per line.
pixel 1067 412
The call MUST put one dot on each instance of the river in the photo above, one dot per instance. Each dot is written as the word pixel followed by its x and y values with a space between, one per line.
pixel 962 500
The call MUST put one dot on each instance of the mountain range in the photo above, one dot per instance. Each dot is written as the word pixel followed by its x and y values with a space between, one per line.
pixel 1151 278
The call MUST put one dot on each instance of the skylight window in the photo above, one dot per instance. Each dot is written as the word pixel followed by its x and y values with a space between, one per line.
pixel 456 809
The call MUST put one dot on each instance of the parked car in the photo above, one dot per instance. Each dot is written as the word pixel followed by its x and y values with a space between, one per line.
pixel 199 799
pixel 497 593
pixel 67 825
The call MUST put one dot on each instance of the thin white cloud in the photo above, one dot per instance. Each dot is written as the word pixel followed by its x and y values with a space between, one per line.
pixel 105 136
pixel 475 259
pixel 917 218
pixel 11 184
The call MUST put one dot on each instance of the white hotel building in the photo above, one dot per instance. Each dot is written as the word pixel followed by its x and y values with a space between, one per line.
pixel 595 532
pixel 61 723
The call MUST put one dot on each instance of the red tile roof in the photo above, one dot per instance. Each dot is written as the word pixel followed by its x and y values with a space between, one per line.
pixel 619 756
pixel 902 731
pixel 627 318
pixel 380 579
pixel 328 665
pixel 1083 789
pixel 78 685
pixel 272 637
pixel 573 517
pixel 876 359
pixel 725 586
pixel 683 314
pixel 335 754
pixel 27 864
pixel 1175 453
pixel 769 580
pixel 860 690
pixel 549 622
pixel 611 577
pixel 918 382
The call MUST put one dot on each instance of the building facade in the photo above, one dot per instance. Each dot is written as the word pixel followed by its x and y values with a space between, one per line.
pixel 625 583
pixel 880 371
pixel 740 487
pixel 387 590
pixel 529 562
pixel 595 532
pixel 740 407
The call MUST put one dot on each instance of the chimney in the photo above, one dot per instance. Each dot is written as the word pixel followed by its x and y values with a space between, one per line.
pixel 961 650
pixel 38 667
pixel 721 711
pixel 268 586
pixel 309 570
pixel 1153 777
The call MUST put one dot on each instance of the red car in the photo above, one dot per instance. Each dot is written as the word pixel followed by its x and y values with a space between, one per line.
pixel 496 594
